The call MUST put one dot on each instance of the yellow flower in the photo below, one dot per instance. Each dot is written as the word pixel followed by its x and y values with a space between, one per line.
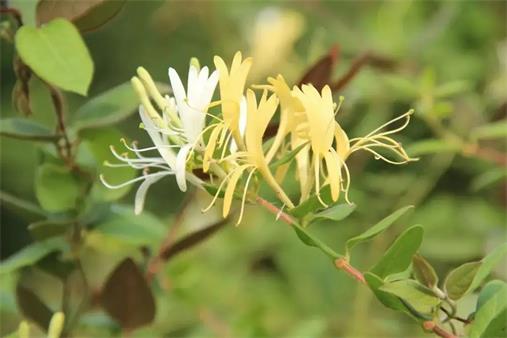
pixel 322 131
pixel 252 159
pixel 232 84
pixel 291 116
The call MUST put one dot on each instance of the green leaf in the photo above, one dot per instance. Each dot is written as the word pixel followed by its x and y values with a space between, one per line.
pixel 488 264
pixel 451 88
pixel 488 291
pixel 109 107
pixel 489 318
pixel 490 131
pixel 458 281
pixel 424 272
pixel 375 283
pixel 312 204
pixel 419 297
pixel 376 229
pixel 431 146
pixel 98 142
pixel 127 297
pixel 303 236
pixel 337 212
pixel 86 15
pixel 25 129
pixel 488 178
pixel 48 228
pixel 33 308
pixel 288 156
pixel 126 227
pixel 31 254
pixel 57 54
pixel 56 188
pixel 399 255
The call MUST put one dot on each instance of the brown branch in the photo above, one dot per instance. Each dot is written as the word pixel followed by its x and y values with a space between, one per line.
pixel 355 67
pixel 451 316
pixel 57 100
pixel 169 248
pixel 433 327
pixel 487 154
pixel 343 264
pixel 15 14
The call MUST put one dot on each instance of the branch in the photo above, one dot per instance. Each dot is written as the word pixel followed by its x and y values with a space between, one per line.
pixel 169 248
pixel 342 264
pixel 433 327
pixel 14 12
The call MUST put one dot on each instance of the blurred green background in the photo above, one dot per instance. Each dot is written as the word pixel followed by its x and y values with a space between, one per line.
pixel 446 59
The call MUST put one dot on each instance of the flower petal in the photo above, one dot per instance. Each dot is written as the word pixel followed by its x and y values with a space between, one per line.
pixel 180 169
pixel 142 190
pixel 177 86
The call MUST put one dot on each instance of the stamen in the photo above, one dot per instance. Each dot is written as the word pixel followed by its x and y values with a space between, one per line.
pixel 129 182
pixel 243 199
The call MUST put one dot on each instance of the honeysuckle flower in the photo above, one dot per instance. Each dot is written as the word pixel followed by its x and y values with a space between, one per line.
pixel 291 116
pixel 192 109
pixel 180 127
pixel 252 158
pixel 319 109
pixel 232 84
pixel 331 146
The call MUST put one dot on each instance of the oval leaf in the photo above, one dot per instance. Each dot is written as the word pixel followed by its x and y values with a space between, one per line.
pixel 459 280
pixel 109 107
pixel 127 297
pixel 25 129
pixel 489 318
pixel 56 188
pixel 424 272
pixel 490 131
pixel 389 300
pixel 31 254
pixel 57 54
pixel 419 297
pixel 399 255
pixel 376 229
pixel 337 212
pixel 85 14
pixel 32 307
pixel 488 264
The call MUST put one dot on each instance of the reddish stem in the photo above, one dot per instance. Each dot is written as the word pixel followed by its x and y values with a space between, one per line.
pixel 433 327
pixel 343 264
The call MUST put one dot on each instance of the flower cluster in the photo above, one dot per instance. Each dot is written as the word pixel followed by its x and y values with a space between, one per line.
pixel 228 150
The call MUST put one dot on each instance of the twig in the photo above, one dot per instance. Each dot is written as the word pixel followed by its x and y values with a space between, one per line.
pixel 154 264
pixel 57 99
pixel 451 316
pixel 344 265
pixel 15 14
pixel 170 248
pixel 355 67
pixel 340 263
pixel 433 327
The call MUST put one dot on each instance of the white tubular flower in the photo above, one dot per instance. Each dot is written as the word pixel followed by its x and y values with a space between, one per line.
pixel 192 110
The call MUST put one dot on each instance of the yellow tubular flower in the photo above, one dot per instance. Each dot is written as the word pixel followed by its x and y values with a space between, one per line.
pixel 232 84
pixel 252 158
pixel 319 109
pixel 291 115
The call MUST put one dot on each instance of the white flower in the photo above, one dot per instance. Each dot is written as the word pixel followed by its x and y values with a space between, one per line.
pixel 180 126
pixel 192 110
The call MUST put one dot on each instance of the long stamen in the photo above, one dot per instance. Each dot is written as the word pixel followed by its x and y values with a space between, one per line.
pixel 219 189
pixel 129 182
pixel 243 199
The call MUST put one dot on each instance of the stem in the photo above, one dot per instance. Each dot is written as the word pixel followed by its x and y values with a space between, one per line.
pixel 433 327
pixel 57 99
pixel 347 268
pixel 340 262
pixel 14 12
